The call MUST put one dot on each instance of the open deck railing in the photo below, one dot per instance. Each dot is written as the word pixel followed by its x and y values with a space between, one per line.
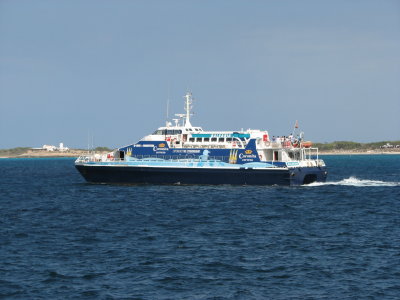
pixel 309 154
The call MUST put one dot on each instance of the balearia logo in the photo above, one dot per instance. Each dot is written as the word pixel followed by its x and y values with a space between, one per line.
pixel 161 145
pixel 248 151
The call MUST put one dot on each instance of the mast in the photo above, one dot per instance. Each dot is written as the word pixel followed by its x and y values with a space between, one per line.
pixel 188 106
pixel 167 116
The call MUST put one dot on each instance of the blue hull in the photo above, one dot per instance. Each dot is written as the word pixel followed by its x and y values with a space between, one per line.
pixel 213 176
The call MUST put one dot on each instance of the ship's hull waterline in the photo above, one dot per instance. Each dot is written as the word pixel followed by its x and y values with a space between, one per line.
pixel 206 176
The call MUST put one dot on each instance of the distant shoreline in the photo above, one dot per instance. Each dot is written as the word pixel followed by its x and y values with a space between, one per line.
pixel 359 153
pixel 32 154
pixel 77 153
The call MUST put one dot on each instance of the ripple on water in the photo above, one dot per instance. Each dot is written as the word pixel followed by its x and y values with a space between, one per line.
pixel 63 238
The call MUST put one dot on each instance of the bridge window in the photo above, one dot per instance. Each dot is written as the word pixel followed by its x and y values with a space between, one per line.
pixel 173 132
pixel 221 140
pixel 206 139
pixel 160 132
pixel 214 139
pixel 167 132
pixel 199 140
pixel 191 140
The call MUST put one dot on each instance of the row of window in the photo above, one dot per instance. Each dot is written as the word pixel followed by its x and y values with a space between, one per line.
pixel 213 139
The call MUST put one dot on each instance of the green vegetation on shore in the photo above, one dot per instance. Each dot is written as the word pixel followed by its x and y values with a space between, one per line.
pixel 24 150
pixel 345 145
pixel 97 149
pixel 102 149
pixel 14 151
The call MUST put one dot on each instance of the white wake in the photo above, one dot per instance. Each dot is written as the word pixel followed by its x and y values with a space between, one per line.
pixel 353 181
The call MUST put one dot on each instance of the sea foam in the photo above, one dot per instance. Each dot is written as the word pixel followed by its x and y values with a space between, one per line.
pixel 354 181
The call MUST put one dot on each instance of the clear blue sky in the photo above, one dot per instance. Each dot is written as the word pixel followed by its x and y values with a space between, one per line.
pixel 107 67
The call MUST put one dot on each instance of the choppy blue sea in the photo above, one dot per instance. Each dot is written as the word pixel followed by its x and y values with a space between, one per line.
pixel 61 238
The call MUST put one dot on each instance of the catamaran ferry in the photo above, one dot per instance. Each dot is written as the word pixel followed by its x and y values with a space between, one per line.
pixel 179 153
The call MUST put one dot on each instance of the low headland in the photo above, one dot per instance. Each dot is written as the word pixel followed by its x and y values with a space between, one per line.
pixel 350 148
pixel 334 148
pixel 27 152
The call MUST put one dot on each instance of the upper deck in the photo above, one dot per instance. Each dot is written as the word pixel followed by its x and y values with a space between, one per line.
pixel 181 139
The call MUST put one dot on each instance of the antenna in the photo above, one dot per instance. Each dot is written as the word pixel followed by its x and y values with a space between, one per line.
pixel 296 126
pixel 168 101
pixel 167 108
pixel 88 140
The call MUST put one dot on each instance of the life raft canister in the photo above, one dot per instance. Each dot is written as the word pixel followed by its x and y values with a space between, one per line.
pixel 265 138
pixel 307 144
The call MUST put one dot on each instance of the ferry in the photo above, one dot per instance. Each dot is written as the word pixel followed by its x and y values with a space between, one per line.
pixel 179 153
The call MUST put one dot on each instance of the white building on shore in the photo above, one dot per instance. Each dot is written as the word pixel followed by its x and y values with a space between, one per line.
pixel 52 148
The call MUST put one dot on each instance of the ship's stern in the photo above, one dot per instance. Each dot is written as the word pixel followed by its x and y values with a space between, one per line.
pixel 308 174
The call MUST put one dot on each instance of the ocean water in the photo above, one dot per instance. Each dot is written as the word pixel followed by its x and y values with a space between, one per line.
pixel 62 238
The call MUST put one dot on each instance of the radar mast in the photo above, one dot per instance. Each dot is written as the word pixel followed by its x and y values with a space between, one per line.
pixel 188 107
